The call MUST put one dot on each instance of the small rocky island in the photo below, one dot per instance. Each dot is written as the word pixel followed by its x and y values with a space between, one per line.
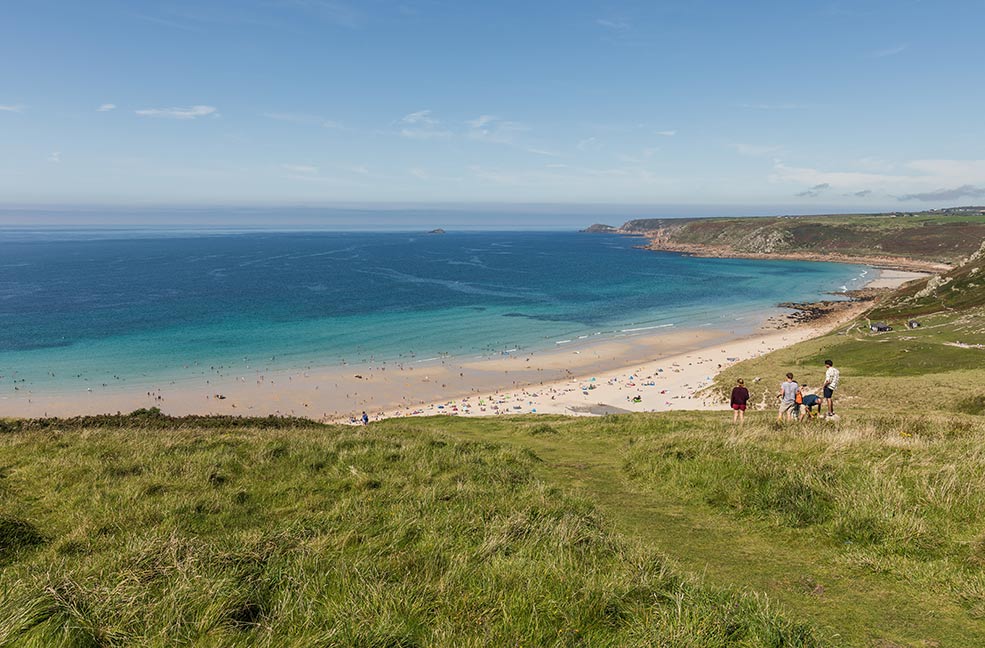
pixel 437 231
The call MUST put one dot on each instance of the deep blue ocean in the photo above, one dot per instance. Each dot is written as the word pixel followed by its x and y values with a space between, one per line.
pixel 147 305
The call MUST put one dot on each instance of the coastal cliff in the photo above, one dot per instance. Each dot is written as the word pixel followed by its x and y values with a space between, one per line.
pixel 927 241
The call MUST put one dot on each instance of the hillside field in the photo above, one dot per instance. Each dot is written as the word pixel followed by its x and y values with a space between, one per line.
pixel 933 237
pixel 647 530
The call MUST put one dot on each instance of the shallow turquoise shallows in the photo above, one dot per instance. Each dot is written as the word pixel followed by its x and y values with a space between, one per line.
pixel 128 306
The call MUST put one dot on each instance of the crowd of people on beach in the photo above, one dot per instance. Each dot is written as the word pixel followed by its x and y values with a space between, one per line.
pixel 797 401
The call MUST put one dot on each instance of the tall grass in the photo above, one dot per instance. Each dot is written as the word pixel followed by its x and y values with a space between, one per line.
pixel 892 493
pixel 320 536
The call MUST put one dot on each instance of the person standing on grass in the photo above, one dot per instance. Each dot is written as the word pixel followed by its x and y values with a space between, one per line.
pixel 831 378
pixel 740 397
pixel 788 398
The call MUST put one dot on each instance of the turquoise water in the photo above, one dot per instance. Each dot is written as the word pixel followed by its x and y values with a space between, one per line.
pixel 118 306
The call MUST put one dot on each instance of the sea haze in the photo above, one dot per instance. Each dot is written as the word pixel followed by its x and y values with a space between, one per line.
pixel 82 308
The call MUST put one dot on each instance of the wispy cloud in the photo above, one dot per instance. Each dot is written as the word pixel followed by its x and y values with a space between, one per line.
pixel 482 121
pixel 588 143
pixel 307 120
pixel 419 117
pixel 15 108
pixel 924 180
pixel 615 24
pixel 666 133
pixel 964 191
pixel 191 112
pixel 889 51
pixel 421 125
pixel 55 156
pixel 488 128
pixel 814 191
pixel 306 169
pixel 495 130
pixel 106 107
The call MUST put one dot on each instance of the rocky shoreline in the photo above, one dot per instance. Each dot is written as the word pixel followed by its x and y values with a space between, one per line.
pixel 825 311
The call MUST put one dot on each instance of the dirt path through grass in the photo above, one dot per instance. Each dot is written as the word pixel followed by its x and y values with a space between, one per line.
pixel 860 609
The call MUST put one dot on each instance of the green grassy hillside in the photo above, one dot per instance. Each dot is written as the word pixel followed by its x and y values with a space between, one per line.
pixel 175 533
pixel 927 236
pixel 543 531
pixel 959 291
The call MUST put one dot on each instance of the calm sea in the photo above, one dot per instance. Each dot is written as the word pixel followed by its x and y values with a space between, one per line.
pixel 150 305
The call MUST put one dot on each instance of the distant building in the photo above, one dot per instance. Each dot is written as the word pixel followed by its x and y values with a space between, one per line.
pixel 913 324
pixel 880 327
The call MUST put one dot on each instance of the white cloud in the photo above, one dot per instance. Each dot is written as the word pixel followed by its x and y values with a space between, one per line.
pixel 424 133
pixel 840 179
pixel 756 150
pixel 421 125
pixel 361 169
pixel 919 180
pixel 106 107
pixel 874 164
pixel 419 117
pixel 306 169
pixel 614 24
pixel 889 51
pixel 494 130
pixel 666 133
pixel 481 121
pixel 587 143
pixel 190 112
pixel 11 108
pixel 419 173
pixel 55 156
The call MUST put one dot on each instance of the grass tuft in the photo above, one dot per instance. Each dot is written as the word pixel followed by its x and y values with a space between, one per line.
pixel 16 535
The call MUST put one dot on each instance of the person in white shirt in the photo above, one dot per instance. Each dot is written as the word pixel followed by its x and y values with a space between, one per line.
pixel 831 378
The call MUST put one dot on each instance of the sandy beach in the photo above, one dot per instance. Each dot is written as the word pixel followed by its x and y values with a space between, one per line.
pixel 648 372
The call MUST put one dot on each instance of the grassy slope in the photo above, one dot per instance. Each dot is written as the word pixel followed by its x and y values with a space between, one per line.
pixel 191 534
pixel 536 531
pixel 931 237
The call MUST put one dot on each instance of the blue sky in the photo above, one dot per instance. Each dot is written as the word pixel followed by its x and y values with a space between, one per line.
pixel 792 106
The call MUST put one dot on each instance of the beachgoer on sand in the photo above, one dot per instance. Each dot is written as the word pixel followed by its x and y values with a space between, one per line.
pixel 740 397
pixel 788 398
pixel 831 378
pixel 811 403
pixel 365 418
